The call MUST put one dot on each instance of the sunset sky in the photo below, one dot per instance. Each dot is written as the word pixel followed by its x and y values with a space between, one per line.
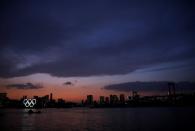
pixel 77 48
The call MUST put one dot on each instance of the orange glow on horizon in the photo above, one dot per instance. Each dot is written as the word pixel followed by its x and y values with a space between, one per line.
pixel 75 94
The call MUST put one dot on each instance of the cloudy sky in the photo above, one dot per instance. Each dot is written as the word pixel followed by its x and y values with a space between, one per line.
pixel 76 48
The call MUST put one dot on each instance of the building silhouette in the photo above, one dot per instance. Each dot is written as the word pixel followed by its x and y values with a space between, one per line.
pixel 122 98
pixel 107 100
pixel 47 101
pixel 102 101
pixel 89 99
pixel 51 97
pixel 114 99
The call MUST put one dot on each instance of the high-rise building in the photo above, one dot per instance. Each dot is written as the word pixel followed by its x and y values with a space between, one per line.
pixel 51 95
pixel 46 97
pixel 113 99
pixel 122 98
pixel 107 100
pixel 102 100
pixel 90 99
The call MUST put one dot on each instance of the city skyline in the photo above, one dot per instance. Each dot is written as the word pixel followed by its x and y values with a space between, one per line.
pixel 127 89
pixel 77 48
pixel 172 98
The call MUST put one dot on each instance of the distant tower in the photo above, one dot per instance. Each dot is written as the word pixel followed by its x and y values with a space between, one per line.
pixel 111 99
pixel 107 100
pixel 90 99
pixel 122 98
pixel 102 100
pixel 51 95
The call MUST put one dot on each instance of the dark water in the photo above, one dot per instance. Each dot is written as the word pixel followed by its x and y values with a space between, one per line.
pixel 119 119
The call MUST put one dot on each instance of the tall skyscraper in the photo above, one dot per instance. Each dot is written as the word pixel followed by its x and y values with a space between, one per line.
pixel 102 100
pixel 51 95
pixel 113 99
pixel 122 98
pixel 90 99
pixel 107 100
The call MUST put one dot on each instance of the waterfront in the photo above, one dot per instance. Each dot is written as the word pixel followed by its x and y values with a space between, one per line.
pixel 75 119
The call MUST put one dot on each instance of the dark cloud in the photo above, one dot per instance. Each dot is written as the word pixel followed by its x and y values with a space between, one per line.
pixel 68 83
pixel 94 38
pixel 24 86
pixel 150 86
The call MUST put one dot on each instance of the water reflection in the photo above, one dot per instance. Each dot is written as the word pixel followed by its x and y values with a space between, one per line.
pixel 28 121
pixel 82 119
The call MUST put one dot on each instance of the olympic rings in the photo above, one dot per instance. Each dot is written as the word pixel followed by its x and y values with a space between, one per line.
pixel 29 102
